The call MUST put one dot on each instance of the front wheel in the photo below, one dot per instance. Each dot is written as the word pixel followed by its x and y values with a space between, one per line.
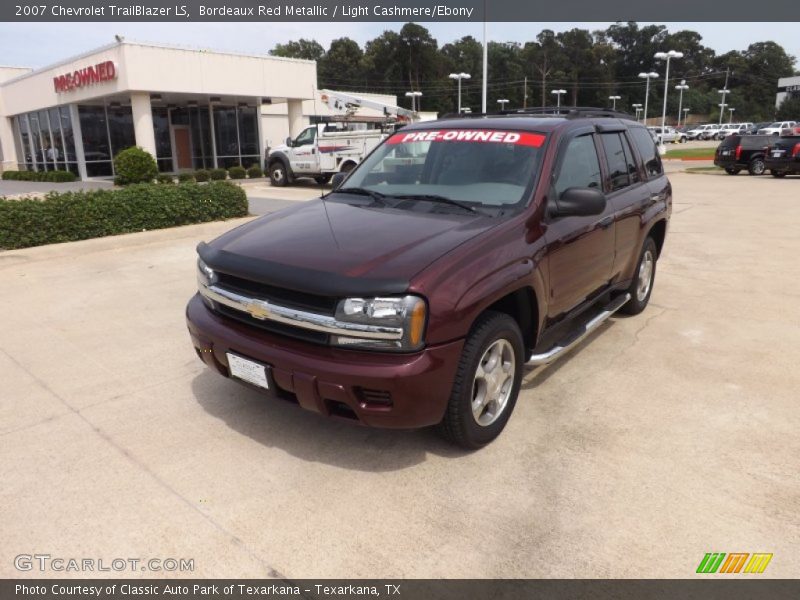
pixel 487 382
pixel 756 166
pixel 642 285
pixel 278 175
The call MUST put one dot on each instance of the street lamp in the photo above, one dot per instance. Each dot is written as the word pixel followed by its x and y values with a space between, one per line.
pixel 413 96
pixel 614 100
pixel 638 108
pixel 648 76
pixel 459 76
pixel 730 114
pixel 724 93
pixel 502 102
pixel 558 93
pixel 666 56
pixel 681 87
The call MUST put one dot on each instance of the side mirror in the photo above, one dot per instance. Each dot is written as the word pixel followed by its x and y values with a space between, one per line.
pixel 289 142
pixel 337 180
pixel 580 202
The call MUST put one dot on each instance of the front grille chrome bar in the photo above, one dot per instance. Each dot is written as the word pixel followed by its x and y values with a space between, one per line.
pixel 267 311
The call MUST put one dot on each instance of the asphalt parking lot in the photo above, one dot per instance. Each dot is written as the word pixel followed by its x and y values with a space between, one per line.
pixel 662 437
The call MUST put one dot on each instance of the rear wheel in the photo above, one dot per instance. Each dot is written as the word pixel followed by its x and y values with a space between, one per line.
pixel 487 382
pixel 642 285
pixel 278 175
pixel 732 171
pixel 756 166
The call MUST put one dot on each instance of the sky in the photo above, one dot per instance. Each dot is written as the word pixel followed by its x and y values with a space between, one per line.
pixel 40 44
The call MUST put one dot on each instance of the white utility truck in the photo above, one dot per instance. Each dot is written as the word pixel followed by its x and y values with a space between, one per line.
pixel 338 143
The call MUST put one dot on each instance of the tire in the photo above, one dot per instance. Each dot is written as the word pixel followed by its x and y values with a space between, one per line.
pixel 639 291
pixel 732 171
pixel 481 403
pixel 323 179
pixel 778 174
pixel 756 166
pixel 278 175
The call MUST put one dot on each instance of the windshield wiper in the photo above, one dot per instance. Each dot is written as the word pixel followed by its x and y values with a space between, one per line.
pixel 377 196
pixel 436 198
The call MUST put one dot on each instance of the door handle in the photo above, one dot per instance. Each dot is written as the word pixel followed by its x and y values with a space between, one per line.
pixel 607 222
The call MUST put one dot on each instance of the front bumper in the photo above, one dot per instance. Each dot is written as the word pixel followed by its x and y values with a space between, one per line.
pixel 332 381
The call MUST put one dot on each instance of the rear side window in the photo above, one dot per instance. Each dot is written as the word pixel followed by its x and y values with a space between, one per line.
pixel 580 166
pixel 633 170
pixel 647 149
pixel 618 177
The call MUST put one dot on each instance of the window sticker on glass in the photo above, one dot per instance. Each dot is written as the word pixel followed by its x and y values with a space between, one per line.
pixel 519 138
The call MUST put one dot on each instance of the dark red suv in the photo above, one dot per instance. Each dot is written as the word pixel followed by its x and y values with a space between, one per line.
pixel 456 252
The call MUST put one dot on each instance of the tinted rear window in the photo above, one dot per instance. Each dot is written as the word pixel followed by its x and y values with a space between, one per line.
pixel 647 149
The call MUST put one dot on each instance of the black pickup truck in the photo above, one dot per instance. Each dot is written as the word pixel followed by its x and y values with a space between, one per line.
pixel 783 156
pixel 738 152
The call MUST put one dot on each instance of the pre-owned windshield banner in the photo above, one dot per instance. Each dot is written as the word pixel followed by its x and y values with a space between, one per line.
pixel 398 10
pixel 479 136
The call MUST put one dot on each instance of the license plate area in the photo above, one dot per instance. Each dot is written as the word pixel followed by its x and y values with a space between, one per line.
pixel 777 154
pixel 249 371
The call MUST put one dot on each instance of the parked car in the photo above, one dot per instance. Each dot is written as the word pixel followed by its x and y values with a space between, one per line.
pixel 738 152
pixel 778 128
pixel 734 128
pixel 670 135
pixel 703 132
pixel 783 156
pixel 457 251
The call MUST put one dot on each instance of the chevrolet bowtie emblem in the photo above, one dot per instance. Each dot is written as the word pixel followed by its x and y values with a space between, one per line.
pixel 258 310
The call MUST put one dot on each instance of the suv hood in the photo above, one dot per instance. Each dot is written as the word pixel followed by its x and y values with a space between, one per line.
pixel 333 248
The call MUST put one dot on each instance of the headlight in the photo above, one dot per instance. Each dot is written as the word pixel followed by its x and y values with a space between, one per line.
pixel 205 277
pixel 406 312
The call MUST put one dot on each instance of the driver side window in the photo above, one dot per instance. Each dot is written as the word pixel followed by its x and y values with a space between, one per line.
pixel 306 137
pixel 580 166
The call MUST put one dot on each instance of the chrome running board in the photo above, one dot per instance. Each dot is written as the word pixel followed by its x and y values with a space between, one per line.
pixel 576 336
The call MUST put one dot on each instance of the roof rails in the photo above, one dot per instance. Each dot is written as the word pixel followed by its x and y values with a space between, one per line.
pixel 568 112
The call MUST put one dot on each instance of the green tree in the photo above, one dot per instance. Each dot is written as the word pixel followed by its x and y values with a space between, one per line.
pixel 306 49
pixel 342 66
pixel 789 110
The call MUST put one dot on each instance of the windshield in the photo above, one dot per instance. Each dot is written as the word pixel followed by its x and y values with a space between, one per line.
pixel 776 124
pixel 481 167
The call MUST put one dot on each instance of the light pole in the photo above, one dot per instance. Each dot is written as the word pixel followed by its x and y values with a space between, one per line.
pixel 459 76
pixel 681 87
pixel 502 102
pixel 666 56
pixel 724 91
pixel 638 108
pixel 614 100
pixel 648 76
pixel 730 114
pixel 413 96
pixel 558 94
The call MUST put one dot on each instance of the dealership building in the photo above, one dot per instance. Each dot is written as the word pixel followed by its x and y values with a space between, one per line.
pixel 190 108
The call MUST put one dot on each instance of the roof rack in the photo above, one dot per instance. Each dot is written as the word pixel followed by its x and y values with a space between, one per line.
pixel 568 112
